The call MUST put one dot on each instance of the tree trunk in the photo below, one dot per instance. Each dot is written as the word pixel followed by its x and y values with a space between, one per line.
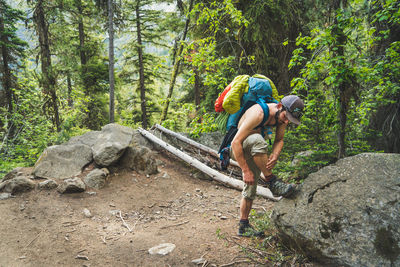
pixel 69 93
pixel 342 122
pixel 196 89
pixel 111 56
pixel 6 81
pixel 176 66
pixel 197 93
pixel 81 32
pixel 48 80
pixel 343 86
pixel 141 68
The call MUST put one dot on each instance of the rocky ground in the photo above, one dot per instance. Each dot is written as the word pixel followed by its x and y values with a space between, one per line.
pixel 117 225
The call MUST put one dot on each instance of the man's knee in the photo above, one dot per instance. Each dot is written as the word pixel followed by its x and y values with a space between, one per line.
pixel 255 144
pixel 249 192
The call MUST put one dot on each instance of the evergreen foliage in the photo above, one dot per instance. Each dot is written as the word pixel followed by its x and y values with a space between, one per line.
pixel 342 58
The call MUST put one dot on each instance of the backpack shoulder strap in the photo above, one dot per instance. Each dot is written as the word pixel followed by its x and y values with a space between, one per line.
pixel 265 109
pixel 233 129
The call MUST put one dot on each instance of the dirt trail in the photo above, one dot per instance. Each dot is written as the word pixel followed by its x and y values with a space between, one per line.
pixel 44 228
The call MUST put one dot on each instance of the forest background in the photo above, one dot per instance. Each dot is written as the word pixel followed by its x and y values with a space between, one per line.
pixel 71 66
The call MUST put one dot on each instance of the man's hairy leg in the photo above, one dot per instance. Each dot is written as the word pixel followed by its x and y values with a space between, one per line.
pixel 261 160
pixel 245 208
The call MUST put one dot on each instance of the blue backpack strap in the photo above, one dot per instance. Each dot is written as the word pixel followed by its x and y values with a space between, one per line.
pixel 265 109
pixel 234 120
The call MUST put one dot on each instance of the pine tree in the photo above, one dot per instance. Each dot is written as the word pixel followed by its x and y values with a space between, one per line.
pixel 177 61
pixel 146 26
pixel 79 50
pixel 12 52
pixel 48 76
pixel 11 56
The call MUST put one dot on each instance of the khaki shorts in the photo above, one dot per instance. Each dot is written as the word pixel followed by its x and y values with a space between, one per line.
pixel 252 145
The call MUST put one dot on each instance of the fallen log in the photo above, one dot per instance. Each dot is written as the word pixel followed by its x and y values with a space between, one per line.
pixel 193 143
pixel 237 184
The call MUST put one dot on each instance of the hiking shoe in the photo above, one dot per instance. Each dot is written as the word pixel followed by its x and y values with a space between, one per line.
pixel 279 188
pixel 247 230
pixel 224 158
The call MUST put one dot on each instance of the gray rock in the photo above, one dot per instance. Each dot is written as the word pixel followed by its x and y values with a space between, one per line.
pixel 71 185
pixel 87 213
pixel 212 140
pixel 111 144
pixel 12 174
pixel 47 185
pixel 96 178
pixel 162 249
pixel 139 139
pixel 202 176
pixel 17 185
pixel 346 214
pixel 199 261
pixel 89 139
pixel 62 161
pixel 114 212
pixel 140 159
pixel 5 196
pixel 165 175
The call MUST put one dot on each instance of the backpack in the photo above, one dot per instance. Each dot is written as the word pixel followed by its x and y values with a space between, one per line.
pixel 218 103
pixel 244 92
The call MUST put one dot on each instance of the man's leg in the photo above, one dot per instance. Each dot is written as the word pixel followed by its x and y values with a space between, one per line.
pixel 276 186
pixel 261 160
pixel 245 208
pixel 245 229
pixel 252 144
pixel 246 203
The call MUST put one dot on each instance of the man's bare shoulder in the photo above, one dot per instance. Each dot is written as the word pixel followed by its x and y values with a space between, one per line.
pixel 254 115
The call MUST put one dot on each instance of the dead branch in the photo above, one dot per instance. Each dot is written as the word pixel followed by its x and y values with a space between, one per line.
pixel 177 224
pixel 123 221
pixel 261 191
pixel 204 148
pixel 260 253
pixel 233 263
pixel 34 239
pixel 187 140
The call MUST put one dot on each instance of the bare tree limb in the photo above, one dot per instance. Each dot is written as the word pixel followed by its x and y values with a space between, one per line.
pixel 204 148
pixel 123 221
pixel 261 191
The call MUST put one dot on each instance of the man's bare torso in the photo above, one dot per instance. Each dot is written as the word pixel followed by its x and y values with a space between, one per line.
pixel 252 112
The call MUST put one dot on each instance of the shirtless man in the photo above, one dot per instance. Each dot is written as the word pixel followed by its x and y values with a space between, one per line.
pixel 249 149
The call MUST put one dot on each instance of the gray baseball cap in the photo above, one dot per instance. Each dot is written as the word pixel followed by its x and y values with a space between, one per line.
pixel 294 108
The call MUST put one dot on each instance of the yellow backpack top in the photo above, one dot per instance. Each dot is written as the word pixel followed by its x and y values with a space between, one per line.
pixel 240 86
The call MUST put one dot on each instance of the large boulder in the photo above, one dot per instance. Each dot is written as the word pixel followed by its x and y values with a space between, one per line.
pixel 96 178
pixel 14 173
pixel 71 185
pixel 17 185
pixel 346 214
pixel 212 140
pixel 111 144
pixel 139 158
pixel 62 161
pixel 89 139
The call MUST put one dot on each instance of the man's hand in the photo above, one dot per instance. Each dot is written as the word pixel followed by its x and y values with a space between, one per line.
pixel 248 177
pixel 273 158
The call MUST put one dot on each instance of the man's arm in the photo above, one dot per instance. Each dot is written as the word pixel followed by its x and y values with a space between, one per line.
pixel 252 118
pixel 277 147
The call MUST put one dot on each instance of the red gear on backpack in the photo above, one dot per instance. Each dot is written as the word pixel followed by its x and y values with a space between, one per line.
pixel 218 103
